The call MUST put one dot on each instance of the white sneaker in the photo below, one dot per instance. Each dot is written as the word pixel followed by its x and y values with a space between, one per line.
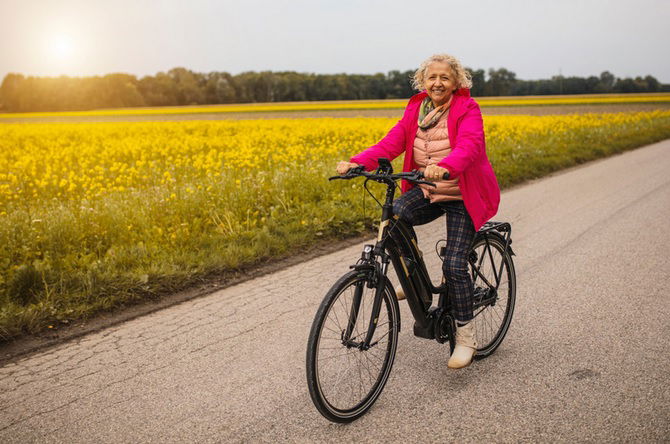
pixel 399 293
pixel 466 346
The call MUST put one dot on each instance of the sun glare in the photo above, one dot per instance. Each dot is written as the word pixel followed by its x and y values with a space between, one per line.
pixel 61 47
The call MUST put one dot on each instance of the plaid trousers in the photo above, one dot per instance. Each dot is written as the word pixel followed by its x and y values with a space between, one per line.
pixel 414 209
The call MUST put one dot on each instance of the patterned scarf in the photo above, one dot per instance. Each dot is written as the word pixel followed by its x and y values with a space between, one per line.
pixel 429 115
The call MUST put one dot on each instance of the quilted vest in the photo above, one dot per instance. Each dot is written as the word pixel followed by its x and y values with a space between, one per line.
pixel 430 147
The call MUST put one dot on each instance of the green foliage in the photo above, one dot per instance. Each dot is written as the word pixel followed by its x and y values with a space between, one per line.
pixel 180 86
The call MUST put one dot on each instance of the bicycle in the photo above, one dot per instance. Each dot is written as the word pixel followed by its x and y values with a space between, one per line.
pixel 352 342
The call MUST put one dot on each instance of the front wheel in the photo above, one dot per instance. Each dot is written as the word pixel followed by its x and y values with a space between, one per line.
pixel 345 380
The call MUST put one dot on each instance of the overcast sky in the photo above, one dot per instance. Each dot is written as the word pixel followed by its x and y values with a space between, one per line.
pixel 534 39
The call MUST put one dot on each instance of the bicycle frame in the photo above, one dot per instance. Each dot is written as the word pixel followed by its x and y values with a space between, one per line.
pixel 395 244
pixel 361 311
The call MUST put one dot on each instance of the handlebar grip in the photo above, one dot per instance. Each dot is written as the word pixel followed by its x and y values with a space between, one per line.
pixel 350 174
pixel 445 176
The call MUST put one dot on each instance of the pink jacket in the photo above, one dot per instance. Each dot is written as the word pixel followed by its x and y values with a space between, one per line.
pixel 467 160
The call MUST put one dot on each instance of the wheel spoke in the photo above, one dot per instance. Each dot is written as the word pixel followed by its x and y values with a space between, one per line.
pixel 335 356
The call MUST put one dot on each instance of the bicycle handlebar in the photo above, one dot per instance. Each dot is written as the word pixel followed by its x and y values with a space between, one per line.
pixel 413 176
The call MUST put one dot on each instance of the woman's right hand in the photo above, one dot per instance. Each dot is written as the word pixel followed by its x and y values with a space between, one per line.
pixel 343 167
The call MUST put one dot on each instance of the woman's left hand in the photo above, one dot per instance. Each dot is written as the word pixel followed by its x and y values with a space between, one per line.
pixel 434 172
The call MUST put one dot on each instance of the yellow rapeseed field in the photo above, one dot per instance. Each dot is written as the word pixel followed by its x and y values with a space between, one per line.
pixel 71 162
pixel 95 215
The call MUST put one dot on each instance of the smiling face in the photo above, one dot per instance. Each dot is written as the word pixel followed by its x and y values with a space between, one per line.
pixel 440 82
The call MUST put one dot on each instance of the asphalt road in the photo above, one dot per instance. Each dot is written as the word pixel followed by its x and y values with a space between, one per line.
pixel 587 357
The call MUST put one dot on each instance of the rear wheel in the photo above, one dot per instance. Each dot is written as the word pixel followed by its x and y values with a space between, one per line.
pixel 494 279
pixel 344 380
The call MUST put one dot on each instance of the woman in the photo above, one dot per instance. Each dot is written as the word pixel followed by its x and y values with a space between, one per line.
pixel 441 132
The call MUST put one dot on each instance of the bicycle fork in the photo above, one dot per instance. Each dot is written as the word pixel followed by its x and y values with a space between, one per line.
pixel 376 278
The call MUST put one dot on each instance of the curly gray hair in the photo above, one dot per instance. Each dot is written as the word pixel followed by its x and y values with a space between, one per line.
pixel 463 78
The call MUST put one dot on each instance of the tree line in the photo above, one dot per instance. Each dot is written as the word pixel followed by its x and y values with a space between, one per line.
pixel 180 86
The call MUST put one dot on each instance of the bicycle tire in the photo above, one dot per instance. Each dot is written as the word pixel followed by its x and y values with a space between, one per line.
pixel 325 349
pixel 492 321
